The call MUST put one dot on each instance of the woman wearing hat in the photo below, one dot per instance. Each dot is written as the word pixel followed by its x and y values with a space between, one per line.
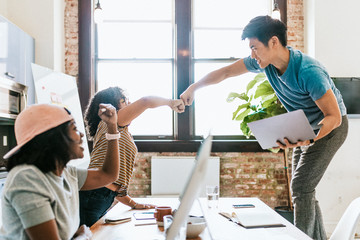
pixel 40 198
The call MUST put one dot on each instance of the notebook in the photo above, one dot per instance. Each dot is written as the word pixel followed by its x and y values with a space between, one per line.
pixel 252 219
pixel 192 188
pixel 292 125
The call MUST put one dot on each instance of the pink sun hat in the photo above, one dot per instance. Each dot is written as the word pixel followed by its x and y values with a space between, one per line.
pixel 37 119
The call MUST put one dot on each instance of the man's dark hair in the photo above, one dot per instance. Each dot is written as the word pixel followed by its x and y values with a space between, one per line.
pixel 265 27
pixel 47 151
pixel 111 95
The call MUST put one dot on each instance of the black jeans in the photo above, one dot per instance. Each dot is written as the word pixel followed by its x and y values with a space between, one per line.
pixel 94 204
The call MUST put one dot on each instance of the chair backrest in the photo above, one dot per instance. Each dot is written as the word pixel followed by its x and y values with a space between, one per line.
pixel 345 229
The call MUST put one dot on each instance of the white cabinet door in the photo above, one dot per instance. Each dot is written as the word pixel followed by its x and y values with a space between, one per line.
pixel 17 52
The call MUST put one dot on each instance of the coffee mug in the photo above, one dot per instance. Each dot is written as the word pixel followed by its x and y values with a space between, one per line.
pixel 160 212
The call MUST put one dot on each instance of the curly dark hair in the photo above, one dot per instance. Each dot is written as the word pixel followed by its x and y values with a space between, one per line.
pixel 111 95
pixel 265 27
pixel 46 151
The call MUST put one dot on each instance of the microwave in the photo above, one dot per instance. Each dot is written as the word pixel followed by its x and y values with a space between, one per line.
pixel 13 97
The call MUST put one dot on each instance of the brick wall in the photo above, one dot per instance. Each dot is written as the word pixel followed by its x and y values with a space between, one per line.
pixel 295 24
pixel 71 37
pixel 241 174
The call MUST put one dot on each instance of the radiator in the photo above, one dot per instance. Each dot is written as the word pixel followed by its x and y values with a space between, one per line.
pixel 169 175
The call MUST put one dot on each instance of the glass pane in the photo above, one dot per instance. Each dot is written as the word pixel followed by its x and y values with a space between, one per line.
pixel 211 109
pixel 135 40
pixel 139 80
pixel 137 9
pixel 217 30
pixel 219 44
pixel 228 13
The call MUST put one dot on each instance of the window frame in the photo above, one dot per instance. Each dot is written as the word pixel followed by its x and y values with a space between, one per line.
pixel 184 139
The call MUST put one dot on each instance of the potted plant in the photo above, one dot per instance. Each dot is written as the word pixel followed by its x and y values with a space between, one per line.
pixel 259 101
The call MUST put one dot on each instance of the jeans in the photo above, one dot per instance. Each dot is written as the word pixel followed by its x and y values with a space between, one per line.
pixel 94 204
pixel 309 165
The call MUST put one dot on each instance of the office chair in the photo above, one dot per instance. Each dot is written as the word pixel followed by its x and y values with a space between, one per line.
pixel 345 229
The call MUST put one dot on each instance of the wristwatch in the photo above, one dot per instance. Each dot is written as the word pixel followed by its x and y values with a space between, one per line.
pixel 110 136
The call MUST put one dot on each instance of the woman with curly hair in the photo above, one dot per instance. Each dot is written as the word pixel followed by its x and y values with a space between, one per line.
pixel 95 203
pixel 40 198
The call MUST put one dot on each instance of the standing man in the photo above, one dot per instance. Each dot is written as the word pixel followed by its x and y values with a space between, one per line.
pixel 300 82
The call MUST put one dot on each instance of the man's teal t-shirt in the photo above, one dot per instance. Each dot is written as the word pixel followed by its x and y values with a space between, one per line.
pixel 304 81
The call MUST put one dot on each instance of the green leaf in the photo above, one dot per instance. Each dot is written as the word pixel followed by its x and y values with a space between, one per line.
pixel 274 150
pixel 250 118
pixel 278 111
pixel 231 97
pixel 263 89
pixel 275 109
pixel 250 85
pixel 253 107
pixel 245 129
pixel 272 97
pixel 246 105
pixel 251 98
pixel 260 77
pixel 256 116
pixel 269 102
pixel 241 116
pixel 244 96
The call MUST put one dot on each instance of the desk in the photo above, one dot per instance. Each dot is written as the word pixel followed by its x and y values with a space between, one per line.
pixel 220 229
pixel 227 229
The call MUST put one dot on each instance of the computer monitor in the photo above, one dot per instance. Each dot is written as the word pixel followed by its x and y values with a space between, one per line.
pixel 192 188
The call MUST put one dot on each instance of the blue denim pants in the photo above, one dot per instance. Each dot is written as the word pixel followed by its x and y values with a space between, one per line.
pixel 309 165
pixel 94 204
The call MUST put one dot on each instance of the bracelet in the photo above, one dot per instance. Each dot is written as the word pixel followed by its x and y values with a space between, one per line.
pixel 133 207
pixel 114 136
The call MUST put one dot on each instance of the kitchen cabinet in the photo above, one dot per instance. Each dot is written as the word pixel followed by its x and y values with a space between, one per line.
pixel 17 52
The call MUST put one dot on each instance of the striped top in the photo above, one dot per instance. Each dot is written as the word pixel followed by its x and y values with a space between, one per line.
pixel 127 149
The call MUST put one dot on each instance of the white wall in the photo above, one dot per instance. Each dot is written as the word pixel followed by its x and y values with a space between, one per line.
pixel 169 175
pixel 3 7
pixel 44 21
pixel 309 27
pixel 332 33
pixel 341 182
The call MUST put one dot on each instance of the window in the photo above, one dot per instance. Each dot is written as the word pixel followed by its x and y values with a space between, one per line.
pixel 217 29
pixel 135 52
pixel 160 47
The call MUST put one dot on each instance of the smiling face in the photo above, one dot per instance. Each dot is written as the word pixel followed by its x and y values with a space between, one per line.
pixel 76 148
pixel 263 54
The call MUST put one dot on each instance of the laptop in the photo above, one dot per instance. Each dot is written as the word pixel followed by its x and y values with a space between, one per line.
pixel 292 125
pixel 192 189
